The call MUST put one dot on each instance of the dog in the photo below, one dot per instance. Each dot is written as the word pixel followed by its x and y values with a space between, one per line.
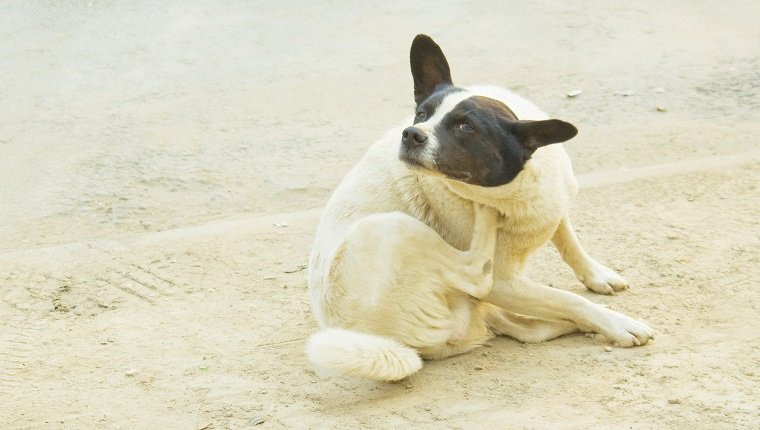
pixel 420 251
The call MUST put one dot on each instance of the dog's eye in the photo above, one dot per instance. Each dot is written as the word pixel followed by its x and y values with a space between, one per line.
pixel 464 127
pixel 421 115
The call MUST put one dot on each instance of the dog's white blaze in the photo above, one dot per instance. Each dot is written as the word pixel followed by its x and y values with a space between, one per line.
pixel 447 105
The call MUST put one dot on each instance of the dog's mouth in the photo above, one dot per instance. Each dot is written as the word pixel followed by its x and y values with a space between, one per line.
pixel 459 176
pixel 412 161
pixel 412 158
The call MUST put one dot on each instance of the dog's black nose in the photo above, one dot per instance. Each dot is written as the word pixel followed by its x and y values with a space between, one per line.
pixel 413 137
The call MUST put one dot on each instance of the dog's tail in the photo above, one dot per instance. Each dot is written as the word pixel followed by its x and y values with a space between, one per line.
pixel 362 355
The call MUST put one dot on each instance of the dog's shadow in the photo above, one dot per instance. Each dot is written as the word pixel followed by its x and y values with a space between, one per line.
pixel 335 392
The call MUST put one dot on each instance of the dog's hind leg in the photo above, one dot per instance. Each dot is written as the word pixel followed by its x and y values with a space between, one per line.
pixel 396 290
pixel 526 329
pixel 594 275
pixel 471 271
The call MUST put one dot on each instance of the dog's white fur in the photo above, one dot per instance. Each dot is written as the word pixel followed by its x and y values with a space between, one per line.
pixel 389 282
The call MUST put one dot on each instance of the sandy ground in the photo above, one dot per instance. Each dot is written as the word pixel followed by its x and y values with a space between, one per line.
pixel 151 152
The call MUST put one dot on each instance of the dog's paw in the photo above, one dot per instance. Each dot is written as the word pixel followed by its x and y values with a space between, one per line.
pixel 624 330
pixel 602 280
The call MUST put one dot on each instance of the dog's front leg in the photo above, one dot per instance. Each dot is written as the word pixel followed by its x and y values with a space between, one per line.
pixel 594 275
pixel 523 296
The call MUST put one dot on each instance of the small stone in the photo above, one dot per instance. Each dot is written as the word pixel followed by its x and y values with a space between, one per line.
pixel 674 401
pixel 256 421
pixel 574 93
pixel 661 108
pixel 280 224
pixel 131 372
pixel 478 368
pixel 607 349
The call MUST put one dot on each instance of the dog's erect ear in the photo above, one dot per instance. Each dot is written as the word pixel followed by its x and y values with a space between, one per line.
pixel 430 69
pixel 535 134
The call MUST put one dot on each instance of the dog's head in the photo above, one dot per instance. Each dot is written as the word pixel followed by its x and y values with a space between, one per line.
pixel 466 137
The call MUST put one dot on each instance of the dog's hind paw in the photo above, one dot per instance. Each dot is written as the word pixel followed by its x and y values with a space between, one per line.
pixel 603 280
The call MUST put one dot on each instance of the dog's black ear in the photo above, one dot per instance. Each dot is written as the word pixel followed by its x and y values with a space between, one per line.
pixel 430 69
pixel 535 134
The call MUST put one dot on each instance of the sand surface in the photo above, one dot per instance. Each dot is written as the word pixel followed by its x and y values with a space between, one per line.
pixel 163 166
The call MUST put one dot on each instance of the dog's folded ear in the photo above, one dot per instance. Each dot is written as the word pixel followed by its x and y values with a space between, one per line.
pixel 535 134
pixel 430 69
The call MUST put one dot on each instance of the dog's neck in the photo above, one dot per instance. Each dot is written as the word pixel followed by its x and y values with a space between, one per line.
pixel 524 188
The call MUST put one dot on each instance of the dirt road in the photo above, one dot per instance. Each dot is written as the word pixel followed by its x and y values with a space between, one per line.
pixel 163 166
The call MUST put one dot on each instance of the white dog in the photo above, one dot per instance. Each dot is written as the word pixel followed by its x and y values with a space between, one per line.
pixel 480 169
